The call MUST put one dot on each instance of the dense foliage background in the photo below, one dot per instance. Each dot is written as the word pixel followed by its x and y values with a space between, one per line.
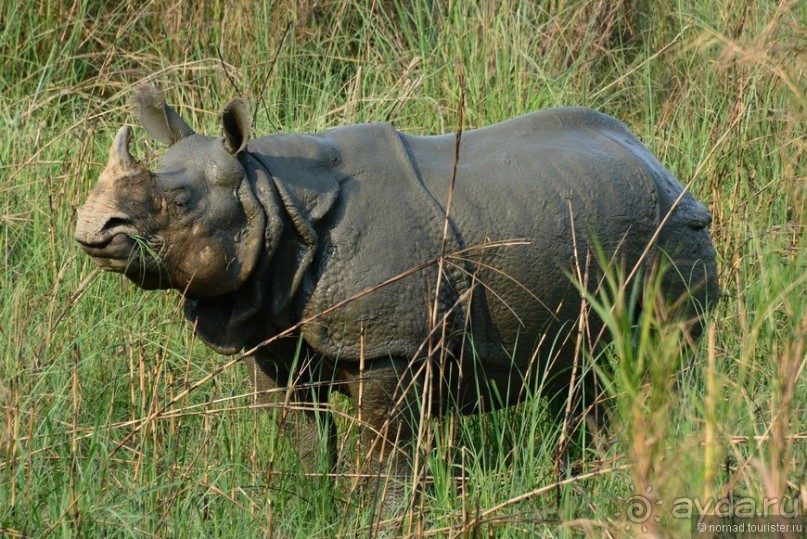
pixel 105 428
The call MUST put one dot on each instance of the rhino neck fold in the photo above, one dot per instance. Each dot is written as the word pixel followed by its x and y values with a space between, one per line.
pixel 229 322
pixel 293 199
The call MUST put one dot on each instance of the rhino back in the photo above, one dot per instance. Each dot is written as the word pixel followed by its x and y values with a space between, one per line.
pixel 561 179
pixel 535 178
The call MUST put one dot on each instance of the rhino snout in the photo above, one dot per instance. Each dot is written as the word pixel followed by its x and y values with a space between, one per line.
pixel 99 230
pixel 105 237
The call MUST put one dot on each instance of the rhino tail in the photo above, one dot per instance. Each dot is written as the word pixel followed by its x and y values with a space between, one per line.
pixel 695 214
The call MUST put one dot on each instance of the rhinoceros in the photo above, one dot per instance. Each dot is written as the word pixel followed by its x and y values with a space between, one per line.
pixel 358 247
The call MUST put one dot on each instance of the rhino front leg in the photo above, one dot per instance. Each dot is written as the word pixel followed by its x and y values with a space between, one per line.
pixel 386 405
pixel 310 431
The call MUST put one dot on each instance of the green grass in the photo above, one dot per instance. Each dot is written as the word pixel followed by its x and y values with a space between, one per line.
pixel 716 90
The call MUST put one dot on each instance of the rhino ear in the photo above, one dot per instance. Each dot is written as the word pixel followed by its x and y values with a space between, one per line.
pixel 160 120
pixel 235 120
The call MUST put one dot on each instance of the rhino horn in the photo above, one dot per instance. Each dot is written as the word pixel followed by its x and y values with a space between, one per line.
pixel 119 156
pixel 121 163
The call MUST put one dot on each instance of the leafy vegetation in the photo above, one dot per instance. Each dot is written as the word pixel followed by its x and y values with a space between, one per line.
pixel 114 422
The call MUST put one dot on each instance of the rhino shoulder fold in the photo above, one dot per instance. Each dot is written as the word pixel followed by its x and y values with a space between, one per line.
pixel 303 169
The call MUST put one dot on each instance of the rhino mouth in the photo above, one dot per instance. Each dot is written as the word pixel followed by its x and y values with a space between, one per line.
pixel 123 252
pixel 113 253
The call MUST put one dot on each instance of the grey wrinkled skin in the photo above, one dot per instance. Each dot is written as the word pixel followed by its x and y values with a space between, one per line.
pixel 261 234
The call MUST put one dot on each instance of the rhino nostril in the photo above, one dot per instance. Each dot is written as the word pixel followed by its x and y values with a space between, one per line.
pixel 115 222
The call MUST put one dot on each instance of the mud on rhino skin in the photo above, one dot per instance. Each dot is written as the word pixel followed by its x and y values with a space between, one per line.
pixel 260 234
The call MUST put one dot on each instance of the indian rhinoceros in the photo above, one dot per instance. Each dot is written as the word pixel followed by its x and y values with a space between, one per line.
pixel 344 236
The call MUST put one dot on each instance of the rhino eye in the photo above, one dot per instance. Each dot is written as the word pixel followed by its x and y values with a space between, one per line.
pixel 180 199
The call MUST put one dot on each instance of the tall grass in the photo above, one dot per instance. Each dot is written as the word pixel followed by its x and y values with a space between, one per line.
pixel 716 90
